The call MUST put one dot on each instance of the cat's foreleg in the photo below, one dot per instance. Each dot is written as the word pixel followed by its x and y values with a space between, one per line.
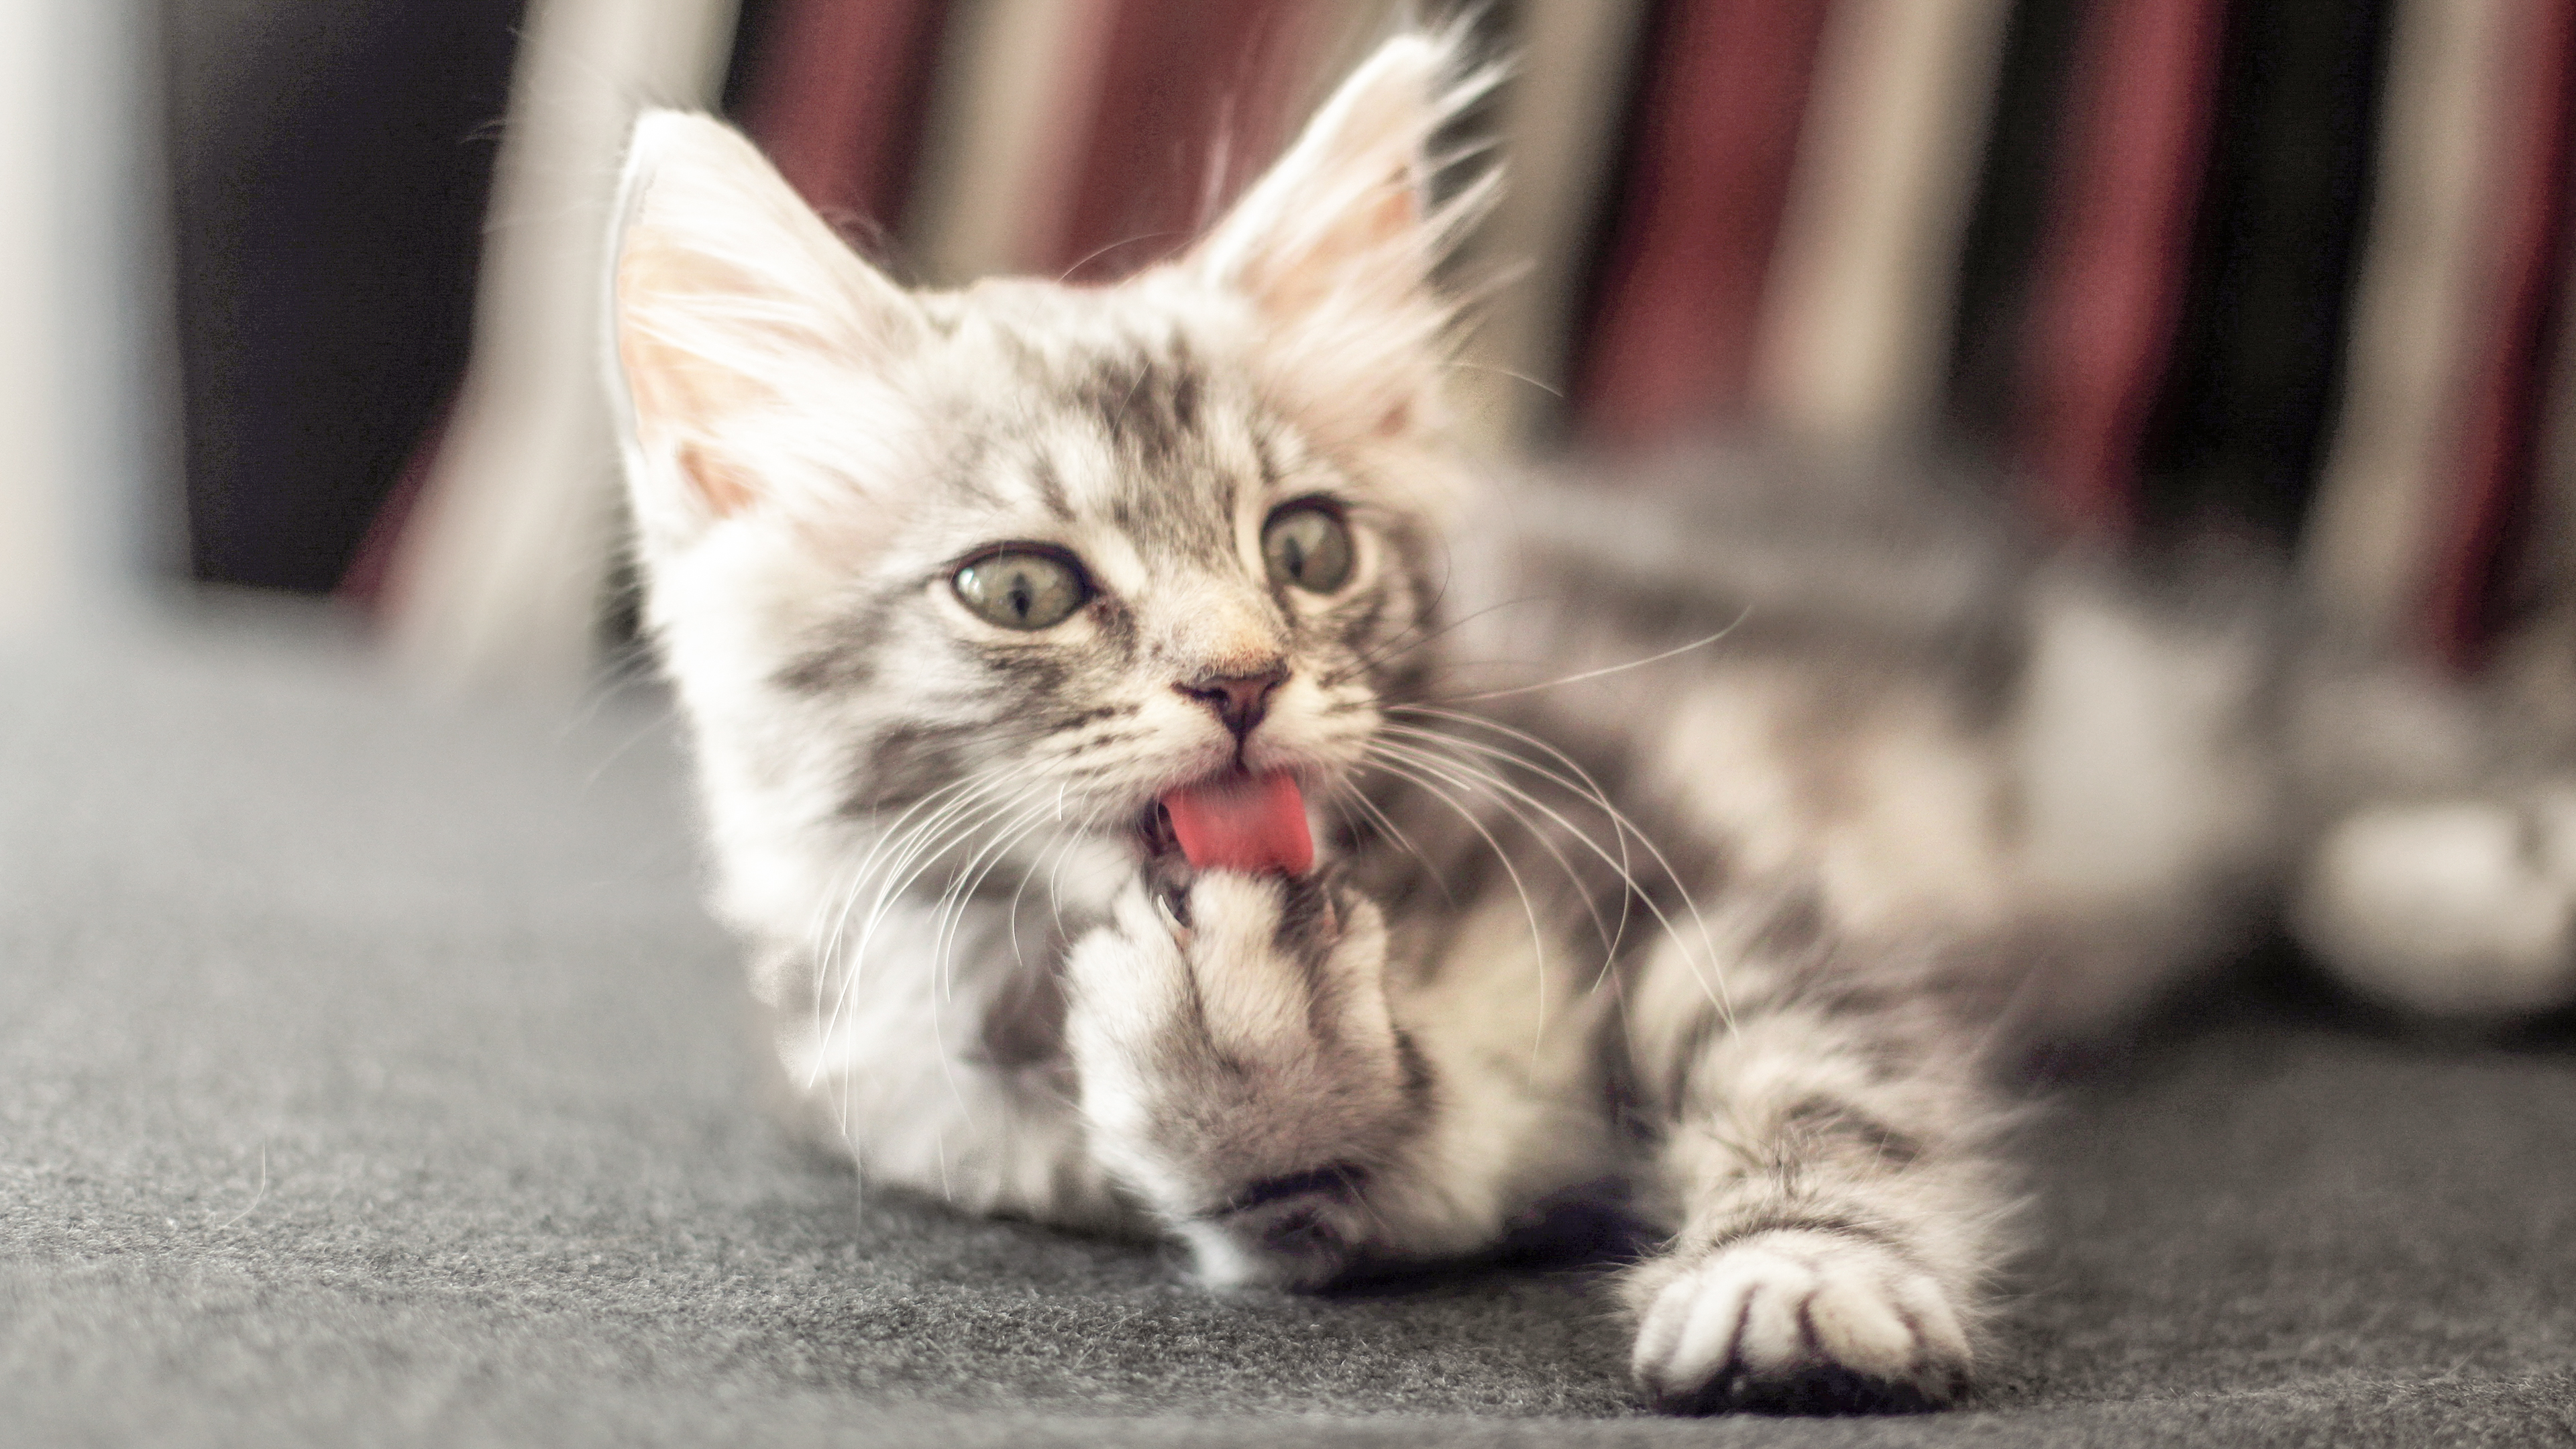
pixel 940 1071
pixel 1299 1099
pixel 1240 1071
pixel 1825 1164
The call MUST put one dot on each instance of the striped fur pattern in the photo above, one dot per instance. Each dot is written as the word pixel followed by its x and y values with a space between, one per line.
pixel 1736 929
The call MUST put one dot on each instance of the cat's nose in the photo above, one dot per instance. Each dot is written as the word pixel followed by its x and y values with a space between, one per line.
pixel 1238 700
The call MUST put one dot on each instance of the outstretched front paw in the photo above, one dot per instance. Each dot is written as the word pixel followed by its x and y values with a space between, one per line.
pixel 1796 1321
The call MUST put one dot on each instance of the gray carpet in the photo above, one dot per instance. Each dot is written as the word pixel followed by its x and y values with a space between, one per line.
pixel 368 1074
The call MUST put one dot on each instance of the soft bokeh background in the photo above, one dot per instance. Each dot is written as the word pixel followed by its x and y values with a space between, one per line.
pixel 2158 265
pixel 368 1070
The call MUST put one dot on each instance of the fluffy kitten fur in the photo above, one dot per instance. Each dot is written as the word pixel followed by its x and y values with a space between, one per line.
pixel 1736 927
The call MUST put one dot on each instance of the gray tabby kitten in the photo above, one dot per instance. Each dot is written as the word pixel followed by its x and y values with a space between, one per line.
pixel 1163 786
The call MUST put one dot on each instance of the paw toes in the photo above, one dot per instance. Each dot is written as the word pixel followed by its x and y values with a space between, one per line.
pixel 1814 1389
pixel 1796 1328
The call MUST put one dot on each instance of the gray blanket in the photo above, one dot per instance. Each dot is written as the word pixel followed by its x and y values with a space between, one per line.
pixel 369 1074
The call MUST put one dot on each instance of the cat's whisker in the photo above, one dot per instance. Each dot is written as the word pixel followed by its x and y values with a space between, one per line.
pixel 1479 777
pixel 1410 638
pixel 1622 866
pixel 1659 657
pixel 1629 829
pixel 1708 969
pixel 952 910
pixel 828 969
pixel 1581 782
pixel 994 804
pixel 1538 938
pixel 961 889
pixel 1055 850
pixel 970 877
pixel 920 847
pixel 1460 364
pixel 946 916
pixel 1348 790
pixel 893 845
pixel 1510 800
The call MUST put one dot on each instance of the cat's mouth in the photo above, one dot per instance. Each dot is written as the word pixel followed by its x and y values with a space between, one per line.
pixel 1154 833
pixel 1232 820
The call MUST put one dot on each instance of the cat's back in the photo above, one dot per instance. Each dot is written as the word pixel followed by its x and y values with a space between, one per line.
pixel 1873 683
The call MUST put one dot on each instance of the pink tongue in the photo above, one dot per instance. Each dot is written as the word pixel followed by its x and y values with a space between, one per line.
pixel 1249 823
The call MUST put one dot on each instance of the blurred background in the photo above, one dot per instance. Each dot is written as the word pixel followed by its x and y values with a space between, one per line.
pixel 301 295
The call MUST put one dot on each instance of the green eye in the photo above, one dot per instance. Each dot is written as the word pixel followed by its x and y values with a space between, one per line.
pixel 1308 544
pixel 1022 589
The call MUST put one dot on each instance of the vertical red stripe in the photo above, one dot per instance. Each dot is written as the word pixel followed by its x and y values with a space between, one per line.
pixel 1724 93
pixel 837 93
pixel 1184 83
pixel 2116 254
pixel 2500 424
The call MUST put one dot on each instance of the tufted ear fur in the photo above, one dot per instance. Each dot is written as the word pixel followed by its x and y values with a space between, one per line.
pixel 1337 245
pixel 743 330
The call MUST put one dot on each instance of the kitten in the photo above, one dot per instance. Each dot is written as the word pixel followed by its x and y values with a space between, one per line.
pixel 1129 748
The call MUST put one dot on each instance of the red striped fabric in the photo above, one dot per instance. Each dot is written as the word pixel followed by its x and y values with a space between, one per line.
pixel 836 99
pixel 1190 98
pixel 2500 422
pixel 1673 331
pixel 2116 253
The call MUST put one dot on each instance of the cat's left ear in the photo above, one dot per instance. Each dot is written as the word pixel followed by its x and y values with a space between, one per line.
pixel 1337 245
pixel 740 323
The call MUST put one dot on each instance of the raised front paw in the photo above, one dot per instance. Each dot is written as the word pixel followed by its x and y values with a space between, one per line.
pixel 1796 1321
pixel 1239 1068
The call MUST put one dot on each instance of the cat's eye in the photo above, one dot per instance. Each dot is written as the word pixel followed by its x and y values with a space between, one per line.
pixel 1022 588
pixel 1309 545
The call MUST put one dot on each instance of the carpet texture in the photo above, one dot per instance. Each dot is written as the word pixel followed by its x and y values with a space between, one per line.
pixel 370 1075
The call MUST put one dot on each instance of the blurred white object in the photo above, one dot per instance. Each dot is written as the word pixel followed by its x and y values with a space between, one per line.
pixel 87 418
pixel 2458 909
pixel 501 568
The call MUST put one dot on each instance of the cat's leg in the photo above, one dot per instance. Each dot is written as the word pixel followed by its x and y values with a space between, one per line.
pixel 2462 909
pixel 1298 1104
pixel 1825 1166
pixel 1239 1070
pixel 939 1067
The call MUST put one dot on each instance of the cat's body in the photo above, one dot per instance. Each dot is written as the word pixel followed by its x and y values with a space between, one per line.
pixel 1711 868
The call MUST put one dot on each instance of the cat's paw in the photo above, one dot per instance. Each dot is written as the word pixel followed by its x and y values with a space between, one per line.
pixel 1796 1322
pixel 2458 909
pixel 1239 1069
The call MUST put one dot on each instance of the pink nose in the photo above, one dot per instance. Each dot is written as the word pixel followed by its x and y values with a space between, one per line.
pixel 1238 700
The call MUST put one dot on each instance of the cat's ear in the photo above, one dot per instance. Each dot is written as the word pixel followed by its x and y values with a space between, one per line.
pixel 1336 247
pixel 738 320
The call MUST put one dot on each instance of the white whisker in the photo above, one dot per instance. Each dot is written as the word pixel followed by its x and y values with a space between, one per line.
pixel 1607 669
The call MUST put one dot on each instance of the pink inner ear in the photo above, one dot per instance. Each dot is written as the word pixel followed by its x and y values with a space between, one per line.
pixel 1288 286
pixel 674 389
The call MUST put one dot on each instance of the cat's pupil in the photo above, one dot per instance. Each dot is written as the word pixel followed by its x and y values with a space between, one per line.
pixel 1026 591
pixel 1308 545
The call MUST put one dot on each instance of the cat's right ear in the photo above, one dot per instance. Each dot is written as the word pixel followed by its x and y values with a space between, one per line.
pixel 738 319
